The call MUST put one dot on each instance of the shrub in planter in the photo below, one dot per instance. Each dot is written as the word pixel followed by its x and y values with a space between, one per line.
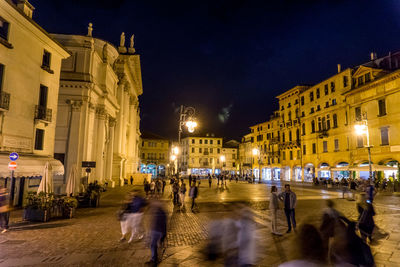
pixel 69 204
pixel 38 207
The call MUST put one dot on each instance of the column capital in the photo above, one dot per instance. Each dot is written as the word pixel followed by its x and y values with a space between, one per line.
pixel 101 112
pixel 75 104
pixel 111 121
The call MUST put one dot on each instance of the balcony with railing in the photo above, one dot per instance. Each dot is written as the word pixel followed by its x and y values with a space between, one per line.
pixel 323 133
pixel 4 101
pixel 43 113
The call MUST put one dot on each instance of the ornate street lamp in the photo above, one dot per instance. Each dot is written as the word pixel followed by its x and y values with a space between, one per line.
pixel 186 118
pixel 361 129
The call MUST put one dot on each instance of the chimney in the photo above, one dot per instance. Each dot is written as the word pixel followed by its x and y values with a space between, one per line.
pixel 339 68
pixel 373 56
pixel 25 7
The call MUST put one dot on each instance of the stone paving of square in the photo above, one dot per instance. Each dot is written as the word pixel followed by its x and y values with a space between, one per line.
pixel 92 238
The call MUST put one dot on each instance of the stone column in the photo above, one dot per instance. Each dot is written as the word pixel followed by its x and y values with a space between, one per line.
pixel 100 142
pixel 110 149
pixel 73 139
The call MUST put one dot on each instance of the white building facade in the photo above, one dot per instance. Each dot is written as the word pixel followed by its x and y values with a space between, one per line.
pixel 30 62
pixel 99 108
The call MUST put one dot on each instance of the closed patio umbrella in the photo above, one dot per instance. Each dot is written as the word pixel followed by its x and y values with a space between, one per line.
pixel 72 183
pixel 46 184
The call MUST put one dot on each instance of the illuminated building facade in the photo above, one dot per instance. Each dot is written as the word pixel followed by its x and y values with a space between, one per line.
pixel 154 154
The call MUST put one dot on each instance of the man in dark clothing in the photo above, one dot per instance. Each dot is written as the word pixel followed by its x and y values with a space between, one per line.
pixel 163 186
pixel 158 231
pixel 175 191
pixel 209 181
pixel 290 200
pixel 194 192
pixel 131 180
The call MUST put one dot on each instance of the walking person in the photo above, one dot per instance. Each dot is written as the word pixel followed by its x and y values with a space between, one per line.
pixel 152 188
pixel 209 181
pixel 131 216
pixel 163 186
pixel 366 223
pixel 131 180
pixel 175 192
pixel 158 231
pixel 194 192
pixel 182 193
pixel 4 210
pixel 289 199
pixel 329 227
pixel 273 208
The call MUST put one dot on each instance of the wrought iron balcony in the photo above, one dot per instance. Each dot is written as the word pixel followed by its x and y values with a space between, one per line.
pixel 4 101
pixel 323 133
pixel 43 113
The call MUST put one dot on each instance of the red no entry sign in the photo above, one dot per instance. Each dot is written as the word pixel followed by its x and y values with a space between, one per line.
pixel 12 165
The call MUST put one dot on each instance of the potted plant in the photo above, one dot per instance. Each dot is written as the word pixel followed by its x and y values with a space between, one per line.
pixel 69 204
pixel 38 207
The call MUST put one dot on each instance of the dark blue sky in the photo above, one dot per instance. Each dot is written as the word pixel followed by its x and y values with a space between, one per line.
pixel 230 56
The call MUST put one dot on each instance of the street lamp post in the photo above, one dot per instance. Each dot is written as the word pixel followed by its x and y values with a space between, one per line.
pixel 361 129
pixel 222 159
pixel 257 152
pixel 186 118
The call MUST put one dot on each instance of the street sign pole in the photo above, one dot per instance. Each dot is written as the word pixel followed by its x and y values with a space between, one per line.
pixel 12 188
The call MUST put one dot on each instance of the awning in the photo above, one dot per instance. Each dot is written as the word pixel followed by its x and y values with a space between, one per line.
pixel 338 169
pixel 375 167
pixel 30 166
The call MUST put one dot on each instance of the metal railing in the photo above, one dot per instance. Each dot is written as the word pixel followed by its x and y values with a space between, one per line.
pixel 43 113
pixel 4 101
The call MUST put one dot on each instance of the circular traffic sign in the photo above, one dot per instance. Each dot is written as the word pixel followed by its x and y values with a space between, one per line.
pixel 12 165
pixel 13 156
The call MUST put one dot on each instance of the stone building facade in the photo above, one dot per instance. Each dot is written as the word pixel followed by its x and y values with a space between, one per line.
pixel 99 108
pixel 154 154
pixel 316 135
pixel 30 62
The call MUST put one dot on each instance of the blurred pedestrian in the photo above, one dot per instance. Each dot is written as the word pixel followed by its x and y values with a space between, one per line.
pixel 289 200
pixel 246 238
pixel 175 192
pixel 209 181
pixel 366 223
pixel 4 210
pixel 309 250
pixel 182 194
pixel 163 185
pixel 273 208
pixel 329 225
pixel 194 192
pixel 131 216
pixel 158 231
pixel 131 180
pixel 152 188
pixel 158 187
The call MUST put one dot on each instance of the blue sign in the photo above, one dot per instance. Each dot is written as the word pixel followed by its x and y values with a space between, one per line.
pixel 14 156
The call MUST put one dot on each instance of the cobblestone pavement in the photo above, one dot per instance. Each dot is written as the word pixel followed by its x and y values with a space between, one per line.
pixel 92 238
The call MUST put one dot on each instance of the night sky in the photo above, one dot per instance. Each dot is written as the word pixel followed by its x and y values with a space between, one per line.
pixel 230 58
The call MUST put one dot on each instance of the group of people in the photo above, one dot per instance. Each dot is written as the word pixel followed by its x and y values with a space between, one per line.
pixel 335 241
pixel 154 188
pixel 179 189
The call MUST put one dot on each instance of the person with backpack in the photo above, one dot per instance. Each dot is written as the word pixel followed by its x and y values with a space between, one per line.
pixel 194 192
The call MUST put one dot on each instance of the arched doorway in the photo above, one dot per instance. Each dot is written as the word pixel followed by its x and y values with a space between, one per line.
pixel 309 172
pixel 324 171
pixel 341 170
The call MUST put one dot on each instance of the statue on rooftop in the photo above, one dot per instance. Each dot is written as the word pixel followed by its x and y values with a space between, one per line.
pixel 90 30
pixel 122 40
